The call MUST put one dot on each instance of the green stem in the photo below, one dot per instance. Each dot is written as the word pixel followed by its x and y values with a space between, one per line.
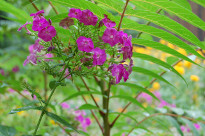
pixel 47 102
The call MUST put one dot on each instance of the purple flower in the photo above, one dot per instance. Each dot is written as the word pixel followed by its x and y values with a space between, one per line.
pixel 107 22
pixel 122 36
pixel 110 36
pixel 129 70
pixel 31 58
pixel 15 69
pixel 50 48
pixel 99 56
pixel 48 55
pixel 119 71
pixel 75 13
pixel 24 25
pixel 87 121
pixel 127 52
pixel 2 72
pixel 128 41
pixel 37 47
pixel 11 90
pixel 197 126
pixel 183 128
pixel 64 105
pixel 146 97
pixel 88 18
pixel 85 44
pixel 47 33
pixel 30 48
pixel 37 13
pixel 39 23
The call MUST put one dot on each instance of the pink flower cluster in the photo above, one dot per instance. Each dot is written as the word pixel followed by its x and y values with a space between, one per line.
pixel 110 36
pixel 187 129
pixel 148 99
pixel 79 116
pixel 45 32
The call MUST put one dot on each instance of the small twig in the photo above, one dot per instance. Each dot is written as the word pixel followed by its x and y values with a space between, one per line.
pixel 89 91
pixel 166 114
pixel 22 94
pixel 53 7
pixel 101 128
pixel 123 13
pixel 63 128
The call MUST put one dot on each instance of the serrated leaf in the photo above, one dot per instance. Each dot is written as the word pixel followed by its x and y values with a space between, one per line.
pixel 150 73
pixel 157 61
pixel 200 2
pixel 87 107
pixel 17 12
pixel 132 25
pixel 161 47
pixel 81 94
pixel 177 10
pixel 167 23
pixel 134 86
pixel 175 124
pixel 60 120
pixel 82 4
pixel 26 108
pixel 129 98
pixel 7 131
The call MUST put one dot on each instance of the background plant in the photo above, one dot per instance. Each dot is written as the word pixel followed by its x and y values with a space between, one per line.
pixel 145 40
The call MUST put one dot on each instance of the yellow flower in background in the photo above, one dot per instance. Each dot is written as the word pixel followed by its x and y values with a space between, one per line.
pixel 179 64
pixel 145 104
pixel 156 86
pixel 97 99
pixel 187 64
pixel 174 97
pixel 151 89
pixel 120 110
pixel 162 41
pixel 21 113
pixel 194 78
pixel 170 45
pixel 195 96
pixel 198 61
pixel 149 48
pixel 179 69
pixel 200 52
pixel 52 122
pixel 182 51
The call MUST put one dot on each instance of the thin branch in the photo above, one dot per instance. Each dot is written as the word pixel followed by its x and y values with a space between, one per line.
pixel 101 128
pixel 34 5
pixel 22 94
pixel 63 128
pixel 89 91
pixel 166 114
pixel 123 13
pixel 53 7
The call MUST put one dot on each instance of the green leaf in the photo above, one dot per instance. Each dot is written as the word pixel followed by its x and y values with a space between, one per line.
pixel 129 98
pixel 53 84
pixel 191 126
pixel 132 25
pixel 183 3
pixel 161 47
pixel 166 23
pixel 81 94
pixel 60 120
pixel 157 61
pixel 175 124
pixel 20 14
pixel 200 2
pixel 87 107
pixel 26 108
pixel 150 73
pixel 7 131
pixel 177 10
pixel 134 86
pixel 82 4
